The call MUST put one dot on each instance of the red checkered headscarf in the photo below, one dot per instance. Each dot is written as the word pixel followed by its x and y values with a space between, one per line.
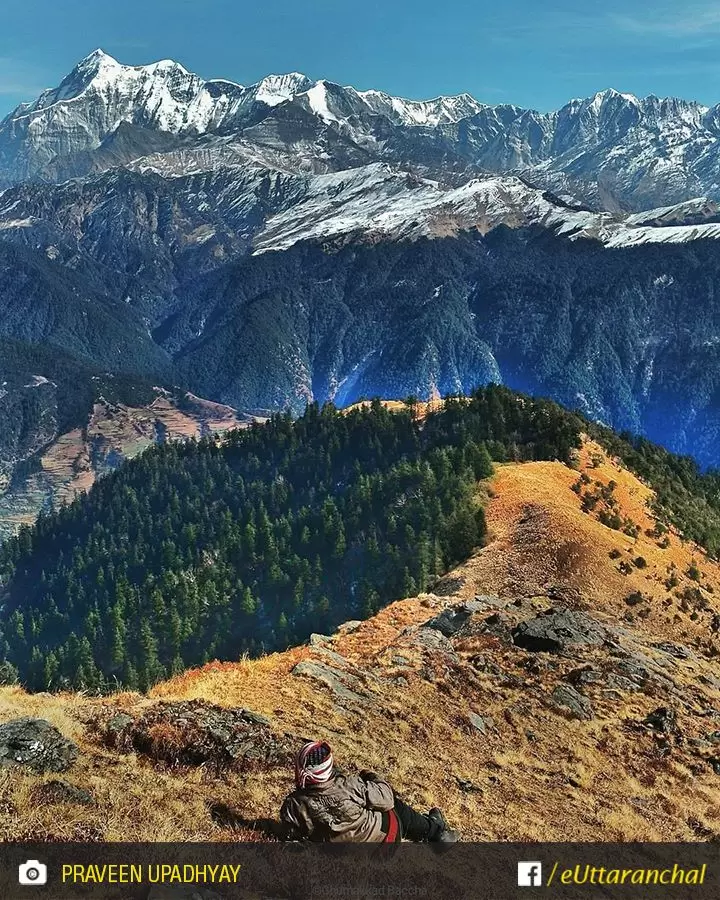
pixel 314 764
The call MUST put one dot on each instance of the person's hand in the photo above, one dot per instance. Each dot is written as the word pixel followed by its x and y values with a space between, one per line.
pixel 367 775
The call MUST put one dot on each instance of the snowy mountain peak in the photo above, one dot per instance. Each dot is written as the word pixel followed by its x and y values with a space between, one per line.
pixel 437 111
pixel 276 89
pixel 318 97
pixel 96 57
pixel 107 78
pixel 85 72
pixel 89 68
pixel 610 94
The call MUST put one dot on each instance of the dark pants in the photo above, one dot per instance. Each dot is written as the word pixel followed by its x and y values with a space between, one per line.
pixel 414 826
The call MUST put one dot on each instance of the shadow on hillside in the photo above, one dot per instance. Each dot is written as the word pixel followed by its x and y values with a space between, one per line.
pixel 226 817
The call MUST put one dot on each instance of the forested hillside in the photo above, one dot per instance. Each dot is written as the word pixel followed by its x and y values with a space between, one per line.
pixel 627 336
pixel 44 393
pixel 213 549
pixel 75 385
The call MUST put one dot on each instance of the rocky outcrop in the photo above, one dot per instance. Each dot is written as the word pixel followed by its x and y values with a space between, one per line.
pixel 454 620
pixel 37 745
pixel 344 686
pixel 558 631
pixel 662 719
pixel 430 639
pixel 568 699
pixel 58 791
pixel 196 733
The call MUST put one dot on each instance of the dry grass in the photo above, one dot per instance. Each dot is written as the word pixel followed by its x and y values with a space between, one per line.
pixel 535 775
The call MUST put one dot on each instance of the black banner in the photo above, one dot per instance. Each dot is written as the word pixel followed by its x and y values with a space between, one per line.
pixel 223 871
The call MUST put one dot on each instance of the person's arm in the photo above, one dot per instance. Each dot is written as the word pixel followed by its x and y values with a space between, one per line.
pixel 294 824
pixel 378 793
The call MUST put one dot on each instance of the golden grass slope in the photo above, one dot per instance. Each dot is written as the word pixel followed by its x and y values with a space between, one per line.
pixel 536 773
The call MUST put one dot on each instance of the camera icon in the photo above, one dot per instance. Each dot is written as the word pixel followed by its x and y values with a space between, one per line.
pixel 32 872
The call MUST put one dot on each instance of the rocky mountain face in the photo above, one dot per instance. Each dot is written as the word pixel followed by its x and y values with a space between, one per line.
pixel 627 334
pixel 291 240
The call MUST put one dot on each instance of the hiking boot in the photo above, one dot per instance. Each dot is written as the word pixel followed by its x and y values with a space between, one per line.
pixel 440 832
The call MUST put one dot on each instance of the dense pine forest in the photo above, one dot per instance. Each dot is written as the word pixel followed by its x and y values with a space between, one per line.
pixel 216 548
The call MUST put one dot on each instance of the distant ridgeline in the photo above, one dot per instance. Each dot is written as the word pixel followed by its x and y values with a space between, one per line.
pixel 206 550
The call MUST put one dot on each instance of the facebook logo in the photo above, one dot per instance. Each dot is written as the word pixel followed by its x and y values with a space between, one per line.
pixel 529 874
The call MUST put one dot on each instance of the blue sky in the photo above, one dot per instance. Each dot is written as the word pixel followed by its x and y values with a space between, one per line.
pixel 528 52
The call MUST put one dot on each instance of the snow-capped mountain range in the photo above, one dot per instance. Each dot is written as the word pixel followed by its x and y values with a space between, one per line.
pixel 294 239
pixel 100 94
pixel 612 151
pixel 309 160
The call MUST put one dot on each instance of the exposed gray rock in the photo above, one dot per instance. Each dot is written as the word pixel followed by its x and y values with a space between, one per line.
pixel 202 734
pixel 118 723
pixel 257 718
pixel 482 663
pixel 511 680
pixel 36 744
pixel 319 640
pixel 620 683
pixel 587 675
pixel 611 694
pixel 486 601
pixel 558 631
pixel 330 656
pixel 467 786
pixel 662 719
pixel 498 625
pixel 564 594
pixel 433 640
pixel 566 697
pixel 634 672
pixel 610 681
pixel 478 723
pixel 454 619
pixel 647 672
pixel 678 651
pixel 340 683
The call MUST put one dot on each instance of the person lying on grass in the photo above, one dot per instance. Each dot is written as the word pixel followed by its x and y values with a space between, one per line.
pixel 329 806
